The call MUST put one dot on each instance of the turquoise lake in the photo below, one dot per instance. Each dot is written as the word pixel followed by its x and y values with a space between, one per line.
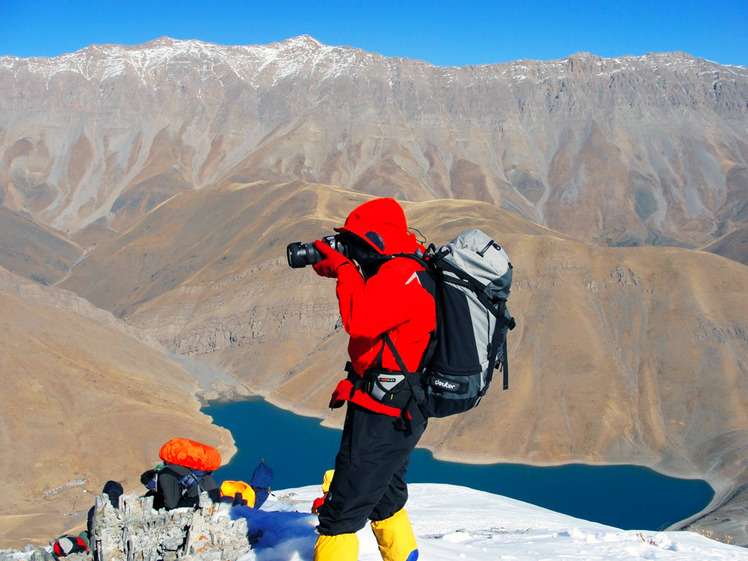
pixel 300 450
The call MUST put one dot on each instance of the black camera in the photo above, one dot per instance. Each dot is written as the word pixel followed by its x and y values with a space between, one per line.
pixel 302 254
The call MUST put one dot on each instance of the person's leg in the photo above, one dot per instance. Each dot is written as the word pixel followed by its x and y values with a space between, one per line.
pixel 361 476
pixel 372 451
pixel 394 497
pixel 390 522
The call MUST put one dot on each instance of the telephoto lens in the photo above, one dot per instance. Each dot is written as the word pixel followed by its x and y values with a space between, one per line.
pixel 302 254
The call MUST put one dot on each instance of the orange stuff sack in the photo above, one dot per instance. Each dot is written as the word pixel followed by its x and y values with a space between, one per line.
pixel 190 454
pixel 229 489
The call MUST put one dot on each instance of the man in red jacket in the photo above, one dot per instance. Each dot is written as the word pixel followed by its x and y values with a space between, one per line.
pixel 379 293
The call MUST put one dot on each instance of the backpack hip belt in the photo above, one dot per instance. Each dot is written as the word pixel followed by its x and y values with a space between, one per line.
pixel 405 398
pixel 384 386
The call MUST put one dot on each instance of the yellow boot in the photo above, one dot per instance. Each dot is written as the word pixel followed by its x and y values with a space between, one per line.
pixel 395 538
pixel 343 547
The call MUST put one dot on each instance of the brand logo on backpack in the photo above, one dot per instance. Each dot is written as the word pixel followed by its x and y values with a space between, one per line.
pixel 445 384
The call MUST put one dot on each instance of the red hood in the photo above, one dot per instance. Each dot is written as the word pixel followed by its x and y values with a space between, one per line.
pixel 381 222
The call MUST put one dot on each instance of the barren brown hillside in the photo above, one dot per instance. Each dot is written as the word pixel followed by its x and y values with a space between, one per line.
pixel 83 397
pixel 733 246
pixel 633 355
pixel 34 251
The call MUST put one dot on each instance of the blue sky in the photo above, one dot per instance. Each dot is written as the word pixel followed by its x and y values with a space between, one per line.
pixel 440 32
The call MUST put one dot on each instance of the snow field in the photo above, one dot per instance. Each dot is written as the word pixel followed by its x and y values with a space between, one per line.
pixel 453 523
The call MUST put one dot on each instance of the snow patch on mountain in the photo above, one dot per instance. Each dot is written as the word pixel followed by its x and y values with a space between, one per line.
pixel 453 522
pixel 299 54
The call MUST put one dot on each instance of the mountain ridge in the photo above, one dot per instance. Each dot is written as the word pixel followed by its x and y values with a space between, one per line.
pixel 630 150
pixel 169 47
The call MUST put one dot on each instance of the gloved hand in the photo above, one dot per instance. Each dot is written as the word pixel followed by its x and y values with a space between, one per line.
pixel 341 394
pixel 332 259
pixel 316 504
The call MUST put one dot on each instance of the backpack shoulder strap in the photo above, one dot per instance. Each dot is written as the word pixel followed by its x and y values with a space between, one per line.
pixel 418 396
pixel 189 480
pixel 426 262
pixel 420 259
pixel 463 278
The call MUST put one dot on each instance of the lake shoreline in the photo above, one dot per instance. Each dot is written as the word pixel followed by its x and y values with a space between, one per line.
pixel 724 489
pixel 719 494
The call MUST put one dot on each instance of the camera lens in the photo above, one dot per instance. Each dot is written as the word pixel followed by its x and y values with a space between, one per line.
pixel 302 254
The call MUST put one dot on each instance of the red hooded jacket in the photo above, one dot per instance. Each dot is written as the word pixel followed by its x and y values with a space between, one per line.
pixel 392 301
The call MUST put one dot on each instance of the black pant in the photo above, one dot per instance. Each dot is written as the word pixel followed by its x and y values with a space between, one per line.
pixel 369 481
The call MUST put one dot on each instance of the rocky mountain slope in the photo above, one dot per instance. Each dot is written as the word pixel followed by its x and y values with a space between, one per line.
pixel 621 354
pixel 733 245
pixel 624 151
pixel 33 251
pixel 84 399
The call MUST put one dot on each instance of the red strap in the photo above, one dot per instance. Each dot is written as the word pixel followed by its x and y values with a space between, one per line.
pixel 316 504
pixel 367 402
pixel 345 392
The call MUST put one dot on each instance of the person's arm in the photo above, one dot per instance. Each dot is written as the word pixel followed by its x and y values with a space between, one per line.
pixel 379 304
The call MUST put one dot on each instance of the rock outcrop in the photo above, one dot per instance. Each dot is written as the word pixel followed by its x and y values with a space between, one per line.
pixel 135 530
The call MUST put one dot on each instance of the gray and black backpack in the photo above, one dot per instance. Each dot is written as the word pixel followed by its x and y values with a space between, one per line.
pixel 473 276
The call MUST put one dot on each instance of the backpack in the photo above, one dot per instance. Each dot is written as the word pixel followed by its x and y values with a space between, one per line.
pixel 473 276
pixel 69 544
pixel 186 482
pixel 189 480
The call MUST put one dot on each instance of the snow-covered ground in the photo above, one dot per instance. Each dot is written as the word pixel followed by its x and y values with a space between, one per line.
pixel 455 523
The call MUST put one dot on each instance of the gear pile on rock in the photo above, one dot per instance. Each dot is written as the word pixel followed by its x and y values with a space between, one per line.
pixel 136 531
